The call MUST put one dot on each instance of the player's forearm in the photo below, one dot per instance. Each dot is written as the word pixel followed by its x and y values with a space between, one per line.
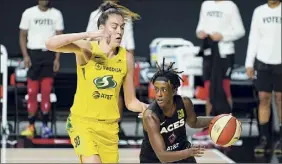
pixel 23 45
pixel 172 156
pixel 135 105
pixel 57 57
pixel 58 41
pixel 202 122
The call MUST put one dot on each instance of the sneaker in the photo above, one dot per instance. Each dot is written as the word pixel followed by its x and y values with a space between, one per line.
pixel 29 131
pixel 278 148
pixel 263 146
pixel 46 132
pixel 202 135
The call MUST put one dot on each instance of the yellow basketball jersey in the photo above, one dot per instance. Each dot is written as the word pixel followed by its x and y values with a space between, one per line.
pixel 98 86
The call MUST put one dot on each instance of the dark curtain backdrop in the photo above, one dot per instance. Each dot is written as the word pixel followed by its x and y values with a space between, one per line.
pixel 160 18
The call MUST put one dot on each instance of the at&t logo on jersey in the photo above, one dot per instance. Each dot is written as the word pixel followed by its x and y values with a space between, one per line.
pixel 98 95
pixel 173 126
pixel 105 82
pixel 173 147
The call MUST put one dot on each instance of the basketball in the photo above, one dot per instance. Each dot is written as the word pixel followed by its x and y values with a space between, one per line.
pixel 225 130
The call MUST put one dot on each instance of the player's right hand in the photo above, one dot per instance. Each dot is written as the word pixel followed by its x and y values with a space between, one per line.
pixel 195 151
pixel 250 72
pixel 202 35
pixel 27 62
pixel 98 35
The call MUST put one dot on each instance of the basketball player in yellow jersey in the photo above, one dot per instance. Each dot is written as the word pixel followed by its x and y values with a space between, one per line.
pixel 102 67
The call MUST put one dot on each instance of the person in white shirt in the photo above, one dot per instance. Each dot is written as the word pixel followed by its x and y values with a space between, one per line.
pixel 264 66
pixel 37 24
pixel 219 21
pixel 127 42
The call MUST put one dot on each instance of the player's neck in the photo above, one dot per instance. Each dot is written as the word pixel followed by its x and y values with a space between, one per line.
pixel 169 109
pixel 42 8
pixel 107 49
pixel 273 4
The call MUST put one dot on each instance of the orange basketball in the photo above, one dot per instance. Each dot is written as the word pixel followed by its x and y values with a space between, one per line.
pixel 225 130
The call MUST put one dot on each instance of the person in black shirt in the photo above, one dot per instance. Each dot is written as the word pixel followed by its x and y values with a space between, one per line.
pixel 164 121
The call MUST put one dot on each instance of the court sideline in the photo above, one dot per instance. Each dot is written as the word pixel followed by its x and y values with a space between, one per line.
pixel 67 155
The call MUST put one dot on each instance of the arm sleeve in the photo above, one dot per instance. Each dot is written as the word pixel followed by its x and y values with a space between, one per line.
pixel 129 36
pixel 24 24
pixel 92 22
pixel 201 24
pixel 237 30
pixel 253 41
pixel 59 22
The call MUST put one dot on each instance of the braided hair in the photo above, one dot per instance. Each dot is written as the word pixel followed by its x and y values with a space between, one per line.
pixel 169 73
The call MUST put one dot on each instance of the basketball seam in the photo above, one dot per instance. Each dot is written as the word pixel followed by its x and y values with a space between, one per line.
pixel 214 123
pixel 225 127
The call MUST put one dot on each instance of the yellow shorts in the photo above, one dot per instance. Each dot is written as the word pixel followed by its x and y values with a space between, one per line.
pixel 89 136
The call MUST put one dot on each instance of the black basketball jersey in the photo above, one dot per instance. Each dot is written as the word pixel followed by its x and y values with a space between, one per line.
pixel 172 130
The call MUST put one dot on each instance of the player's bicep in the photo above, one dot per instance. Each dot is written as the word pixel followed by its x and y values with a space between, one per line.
pixel 23 33
pixel 191 119
pixel 153 131
pixel 81 49
pixel 128 85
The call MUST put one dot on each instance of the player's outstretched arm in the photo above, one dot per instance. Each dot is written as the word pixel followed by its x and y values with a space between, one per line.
pixel 152 126
pixel 192 120
pixel 72 43
pixel 131 102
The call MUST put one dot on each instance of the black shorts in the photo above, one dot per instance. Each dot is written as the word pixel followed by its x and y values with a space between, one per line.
pixel 268 77
pixel 226 63
pixel 41 64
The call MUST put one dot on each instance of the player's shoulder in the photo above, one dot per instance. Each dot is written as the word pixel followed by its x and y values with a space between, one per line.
pixel 185 98
pixel 149 114
pixel 55 10
pixel 129 55
pixel 231 3
pixel 187 101
pixel 207 2
pixel 261 7
pixel 31 10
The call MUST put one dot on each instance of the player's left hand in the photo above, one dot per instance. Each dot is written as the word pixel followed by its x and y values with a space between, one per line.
pixel 216 36
pixel 56 66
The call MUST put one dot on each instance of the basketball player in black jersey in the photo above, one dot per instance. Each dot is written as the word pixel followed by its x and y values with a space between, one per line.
pixel 164 121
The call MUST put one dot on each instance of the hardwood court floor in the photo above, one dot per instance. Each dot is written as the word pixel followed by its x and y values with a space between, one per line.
pixel 60 155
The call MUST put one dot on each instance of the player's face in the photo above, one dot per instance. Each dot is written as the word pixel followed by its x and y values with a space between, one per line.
pixel 164 93
pixel 115 27
pixel 43 3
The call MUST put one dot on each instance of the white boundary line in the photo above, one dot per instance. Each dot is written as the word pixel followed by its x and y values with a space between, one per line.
pixel 222 156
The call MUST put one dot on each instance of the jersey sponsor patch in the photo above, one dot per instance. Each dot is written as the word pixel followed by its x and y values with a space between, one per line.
pixel 107 68
pixel 173 147
pixel 98 95
pixel 105 82
pixel 180 113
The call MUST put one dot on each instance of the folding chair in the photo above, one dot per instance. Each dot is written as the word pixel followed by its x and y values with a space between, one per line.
pixel 21 77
